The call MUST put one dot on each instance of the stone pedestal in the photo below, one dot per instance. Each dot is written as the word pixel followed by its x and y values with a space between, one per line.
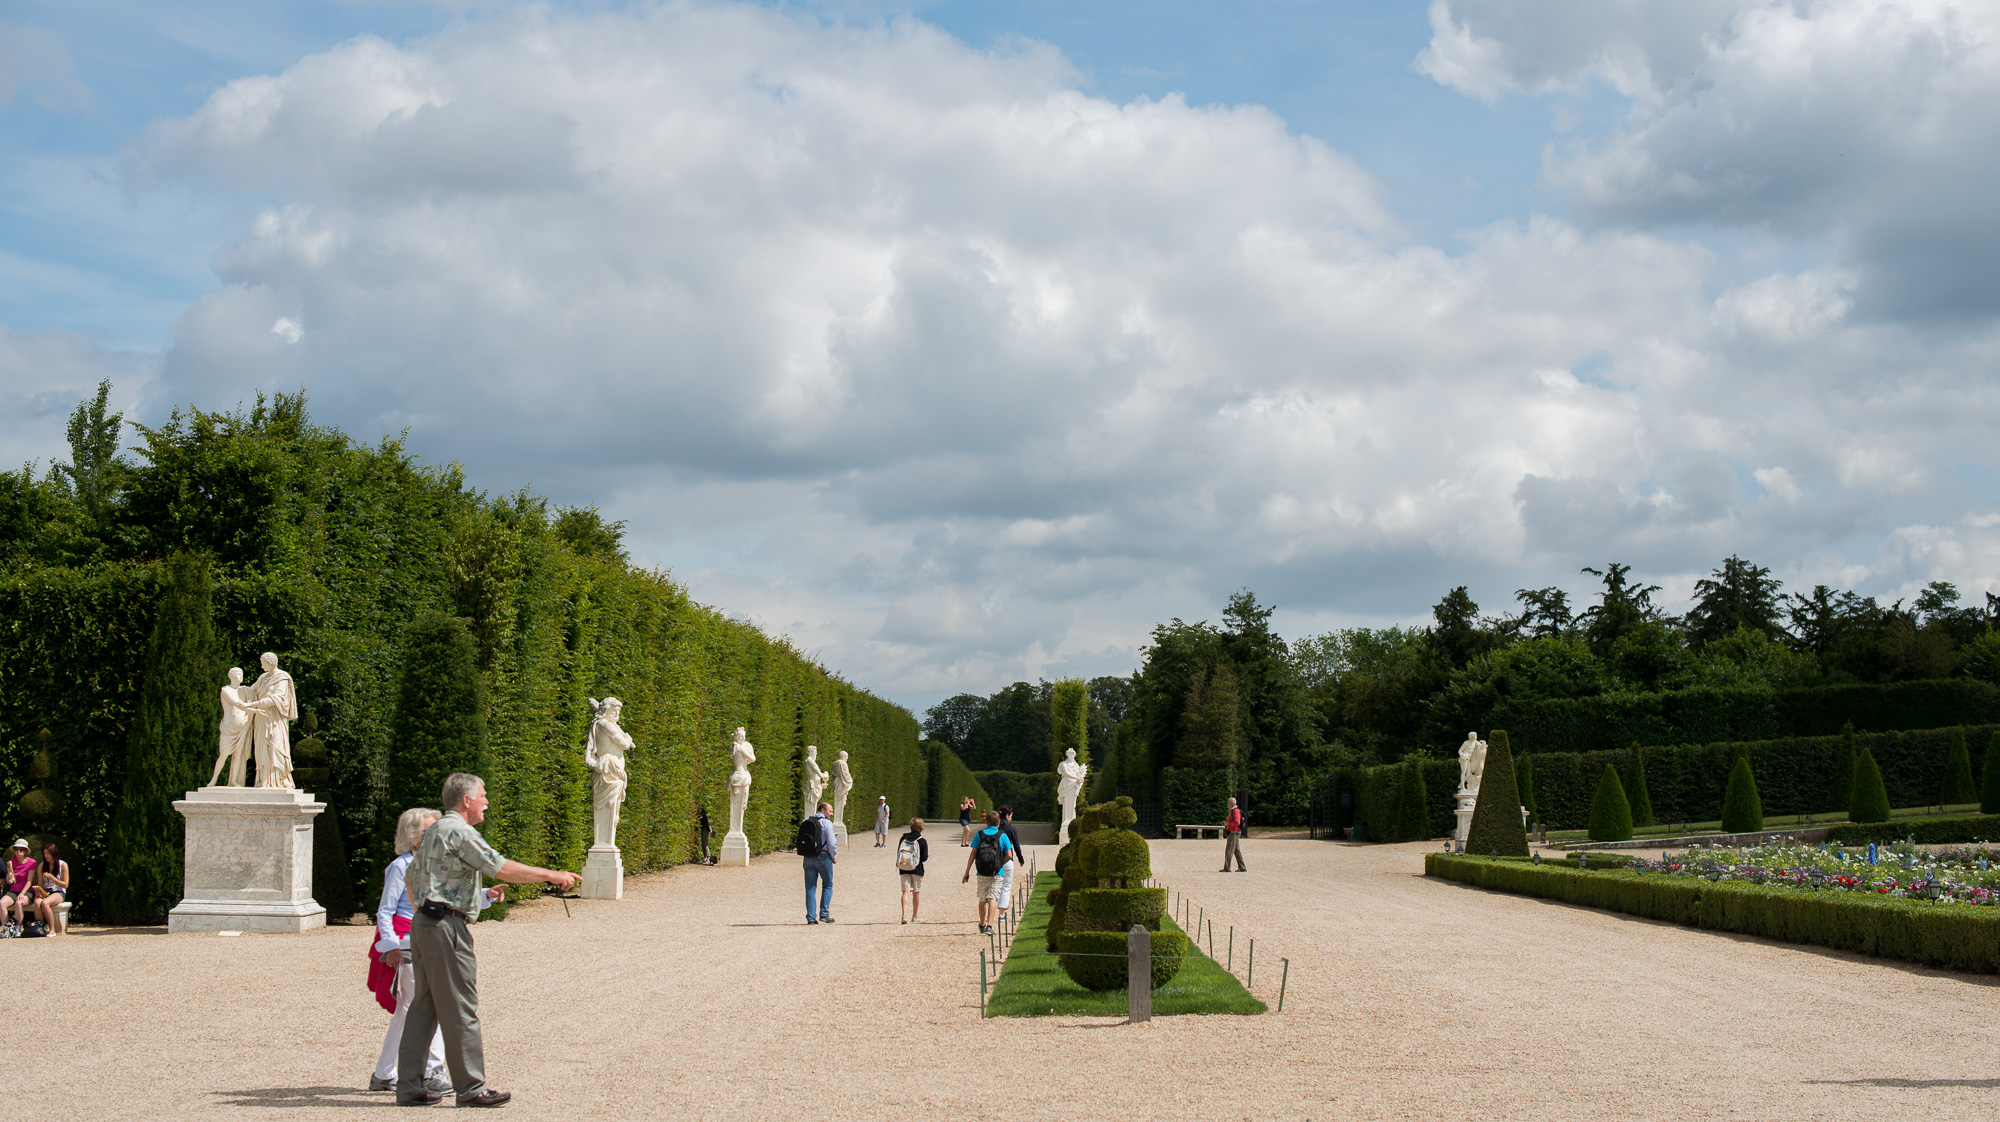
pixel 839 836
pixel 1467 800
pixel 603 874
pixel 249 854
pixel 735 850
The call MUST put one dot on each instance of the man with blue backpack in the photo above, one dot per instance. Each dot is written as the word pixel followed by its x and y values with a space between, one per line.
pixel 991 850
pixel 816 845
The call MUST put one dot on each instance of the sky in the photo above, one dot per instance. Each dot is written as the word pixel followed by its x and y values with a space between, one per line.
pixel 964 343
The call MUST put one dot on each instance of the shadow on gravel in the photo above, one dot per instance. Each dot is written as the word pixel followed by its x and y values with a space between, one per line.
pixel 306 1096
pixel 1984 1084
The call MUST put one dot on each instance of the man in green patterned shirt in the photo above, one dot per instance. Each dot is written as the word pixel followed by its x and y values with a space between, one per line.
pixel 443 881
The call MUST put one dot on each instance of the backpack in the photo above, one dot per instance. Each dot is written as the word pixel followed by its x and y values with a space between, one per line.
pixel 906 855
pixel 989 858
pixel 808 842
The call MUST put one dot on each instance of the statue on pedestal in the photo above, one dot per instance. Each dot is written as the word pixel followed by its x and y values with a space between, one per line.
pixel 812 780
pixel 604 754
pixel 843 782
pixel 234 747
pixel 1471 762
pixel 1069 784
pixel 274 705
pixel 741 756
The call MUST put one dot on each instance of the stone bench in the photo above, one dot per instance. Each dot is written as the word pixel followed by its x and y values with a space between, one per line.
pixel 62 918
pixel 1199 831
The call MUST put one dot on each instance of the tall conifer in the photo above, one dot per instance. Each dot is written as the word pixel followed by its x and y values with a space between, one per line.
pixel 173 739
pixel 1840 792
pixel 1412 804
pixel 1958 786
pixel 1742 809
pixel 1870 801
pixel 1496 819
pixel 1635 790
pixel 1989 791
pixel 1610 814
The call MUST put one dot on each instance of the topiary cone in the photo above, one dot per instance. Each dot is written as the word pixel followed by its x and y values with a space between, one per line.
pixel 1870 802
pixel 1412 805
pixel 1742 810
pixel 1989 791
pixel 1840 793
pixel 1610 814
pixel 1958 786
pixel 1496 817
pixel 1635 790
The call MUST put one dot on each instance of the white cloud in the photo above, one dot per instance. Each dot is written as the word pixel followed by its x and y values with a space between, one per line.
pixel 957 374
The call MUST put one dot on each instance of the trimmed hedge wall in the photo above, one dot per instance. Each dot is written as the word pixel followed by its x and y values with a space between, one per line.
pixel 1032 794
pixel 1794 776
pixel 949 780
pixel 1196 795
pixel 1703 716
pixel 1924 831
pixel 1953 937
pixel 1376 791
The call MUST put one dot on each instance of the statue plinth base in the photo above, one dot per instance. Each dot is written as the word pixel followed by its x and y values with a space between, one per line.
pixel 603 874
pixel 735 850
pixel 839 835
pixel 248 864
pixel 1467 800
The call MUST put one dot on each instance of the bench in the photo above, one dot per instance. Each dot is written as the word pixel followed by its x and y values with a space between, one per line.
pixel 1199 831
pixel 62 918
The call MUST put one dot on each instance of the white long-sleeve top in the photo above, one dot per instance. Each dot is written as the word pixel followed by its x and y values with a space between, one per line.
pixel 395 902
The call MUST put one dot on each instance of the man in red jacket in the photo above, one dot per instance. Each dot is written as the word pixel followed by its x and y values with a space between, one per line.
pixel 1232 838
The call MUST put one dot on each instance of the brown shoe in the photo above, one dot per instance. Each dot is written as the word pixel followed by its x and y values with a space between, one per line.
pixel 486 1098
pixel 421 1098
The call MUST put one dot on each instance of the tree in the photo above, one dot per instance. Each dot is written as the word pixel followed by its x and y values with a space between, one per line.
pixel 1413 809
pixel 950 721
pixel 1545 612
pixel 1610 814
pixel 1742 810
pixel 173 739
pixel 439 723
pixel 1496 818
pixel 1989 788
pixel 1958 786
pixel 1642 800
pixel 1069 721
pixel 1738 594
pixel 587 534
pixel 93 450
pixel 1870 800
pixel 1456 633
pixel 1212 732
pixel 1840 793
pixel 1621 607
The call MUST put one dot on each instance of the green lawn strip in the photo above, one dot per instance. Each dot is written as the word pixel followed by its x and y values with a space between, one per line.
pixel 1952 936
pixel 1032 982
pixel 1774 822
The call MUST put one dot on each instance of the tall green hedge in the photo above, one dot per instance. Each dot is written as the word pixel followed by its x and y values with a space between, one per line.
pixel 325 551
pixel 1989 786
pixel 949 781
pixel 440 722
pixel 1032 794
pixel 1196 796
pixel 171 745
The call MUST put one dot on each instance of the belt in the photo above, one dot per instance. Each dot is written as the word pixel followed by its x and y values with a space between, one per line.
pixel 447 907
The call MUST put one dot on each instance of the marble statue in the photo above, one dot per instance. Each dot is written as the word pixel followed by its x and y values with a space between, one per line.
pixel 735 845
pixel 812 780
pixel 273 705
pixel 1471 762
pixel 843 782
pixel 741 756
pixel 1069 784
pixel 234 747
pixel 604 754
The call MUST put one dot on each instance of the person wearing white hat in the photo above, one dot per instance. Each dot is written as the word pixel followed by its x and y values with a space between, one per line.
pixel 14 894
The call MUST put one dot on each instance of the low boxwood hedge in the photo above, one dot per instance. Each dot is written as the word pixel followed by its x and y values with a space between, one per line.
pixel 1115 909
pixel 1924 831
pixel 1096 960
pixel 1953 936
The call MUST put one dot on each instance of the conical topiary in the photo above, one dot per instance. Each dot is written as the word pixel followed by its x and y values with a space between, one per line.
pixel 1496 818
pixel 1989 791
pixel 1742 810
pixel 439 723
pixel 1412 804
pixel 1840 793
pixel 1635 790
pixel 1958 786
pixel 1524 777
pixel 1610 814
pixel 1870 801
pixel 173 737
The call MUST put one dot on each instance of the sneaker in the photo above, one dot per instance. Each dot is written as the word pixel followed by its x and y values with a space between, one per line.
pixel 826 919
pixel 437 1081
pixel 377 1083
pixel 906 919
pixel 812 921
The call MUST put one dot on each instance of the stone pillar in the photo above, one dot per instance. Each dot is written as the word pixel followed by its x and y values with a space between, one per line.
pixel 840 834
pixel 603 874
pixel 1467 800
pixel 735 850
pixel 248 864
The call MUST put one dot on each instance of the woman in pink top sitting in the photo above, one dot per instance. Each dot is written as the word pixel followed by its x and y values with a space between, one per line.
pixel 20 875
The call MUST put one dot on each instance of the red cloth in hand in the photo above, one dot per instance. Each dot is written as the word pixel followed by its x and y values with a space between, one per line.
pixel 381 975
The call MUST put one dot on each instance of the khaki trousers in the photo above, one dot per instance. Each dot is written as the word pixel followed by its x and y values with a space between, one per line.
pixel 447 999
pixel 1232 846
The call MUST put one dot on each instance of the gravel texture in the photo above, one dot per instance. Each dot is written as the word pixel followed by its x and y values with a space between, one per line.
pixel 703 994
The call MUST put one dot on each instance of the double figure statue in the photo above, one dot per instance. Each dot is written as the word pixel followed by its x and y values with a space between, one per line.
pixel 257 719
pixel 1471 763
pixel 604 754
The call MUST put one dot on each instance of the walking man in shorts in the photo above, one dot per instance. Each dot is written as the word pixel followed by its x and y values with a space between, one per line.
pixel 989 857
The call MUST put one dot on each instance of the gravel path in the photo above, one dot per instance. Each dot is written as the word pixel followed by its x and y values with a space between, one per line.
pixel 703 994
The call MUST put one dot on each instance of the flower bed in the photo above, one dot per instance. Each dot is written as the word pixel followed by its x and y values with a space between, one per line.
pixel 1957 936
pixel 1968 875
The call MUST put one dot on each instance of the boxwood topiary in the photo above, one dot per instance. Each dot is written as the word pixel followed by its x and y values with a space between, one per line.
pixel 1123 859
pixel 1096 960
pixel 1610 814
pixel 1742 810
pixel 1116 909
pixel 1869 801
